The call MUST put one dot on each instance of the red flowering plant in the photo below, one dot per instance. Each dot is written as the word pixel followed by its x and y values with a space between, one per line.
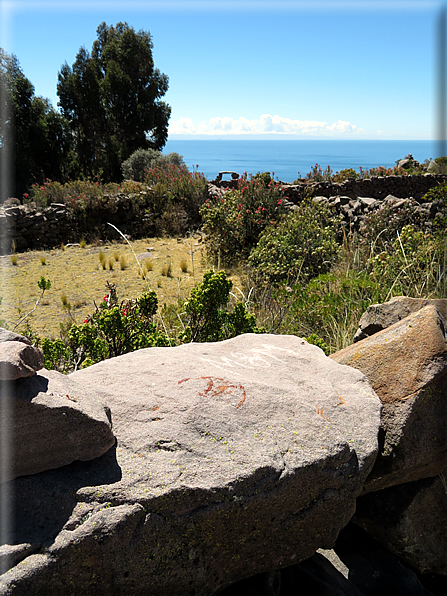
pixel 233 222
pixel 116 328
pixel 174 184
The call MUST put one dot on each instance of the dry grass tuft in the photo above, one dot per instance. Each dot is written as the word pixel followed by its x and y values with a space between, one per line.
pixel 166 270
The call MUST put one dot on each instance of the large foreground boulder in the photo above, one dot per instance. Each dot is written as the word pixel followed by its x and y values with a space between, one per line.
pixel 232 459
pixel 50 422
pixel 406 365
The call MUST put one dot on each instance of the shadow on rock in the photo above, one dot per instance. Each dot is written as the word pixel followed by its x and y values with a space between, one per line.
pixel 43 502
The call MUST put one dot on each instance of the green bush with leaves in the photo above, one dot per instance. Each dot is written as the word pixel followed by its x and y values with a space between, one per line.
pixel 298 247
pixel 234 222
pixel 379 229
pixel 115 328
pixel 438 195
pixel 207 315
pixel 141 160
pixel 438 165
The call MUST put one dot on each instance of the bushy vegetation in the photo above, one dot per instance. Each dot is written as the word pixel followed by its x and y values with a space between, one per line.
pixel 208 318
pixel 301 273
pixel 141 160
pixel 118 327
pixel 234 222
pixel 318 174
pixel 298 246
pixel 174 187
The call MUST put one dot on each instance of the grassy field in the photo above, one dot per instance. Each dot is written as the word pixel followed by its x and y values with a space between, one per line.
pixel 78 278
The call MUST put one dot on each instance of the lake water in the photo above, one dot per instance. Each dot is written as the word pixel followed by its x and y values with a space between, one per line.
pixel 289 159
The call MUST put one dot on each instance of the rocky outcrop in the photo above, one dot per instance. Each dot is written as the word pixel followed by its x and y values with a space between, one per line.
pixel 405 504
pixel 53 422
pixel 49 421
pixel 380 316
pixel 406 365
pixel 232 459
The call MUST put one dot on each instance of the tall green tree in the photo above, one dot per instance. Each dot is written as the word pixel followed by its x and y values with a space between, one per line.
pixel 36 137
pixel 112 99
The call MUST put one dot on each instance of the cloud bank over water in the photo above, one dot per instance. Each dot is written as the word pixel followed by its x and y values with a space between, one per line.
pixel 265 125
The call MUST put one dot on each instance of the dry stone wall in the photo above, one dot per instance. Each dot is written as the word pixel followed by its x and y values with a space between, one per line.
pixel 377 187
pixel 33 228
pixel 381 186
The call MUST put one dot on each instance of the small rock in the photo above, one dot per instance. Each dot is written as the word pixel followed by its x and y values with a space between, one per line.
pixel 18 359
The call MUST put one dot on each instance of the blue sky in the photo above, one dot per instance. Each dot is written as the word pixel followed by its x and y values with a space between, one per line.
pixel 282 69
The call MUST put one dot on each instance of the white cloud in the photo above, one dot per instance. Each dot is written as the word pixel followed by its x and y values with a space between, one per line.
pixel 265 125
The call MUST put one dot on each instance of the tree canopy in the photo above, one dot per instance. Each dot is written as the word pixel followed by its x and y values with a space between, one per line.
pixel 112 100
pixel 36 136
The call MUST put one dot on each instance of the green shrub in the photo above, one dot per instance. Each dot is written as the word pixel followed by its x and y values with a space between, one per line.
pixel 298 247
pixel 56 354
pixel 233 223
pixel 438 165
pixel 115 328
pixel 171 159
pixel 135 166
pixel 206 313
pixel 346 174
pixel 141 160
pixel 438 195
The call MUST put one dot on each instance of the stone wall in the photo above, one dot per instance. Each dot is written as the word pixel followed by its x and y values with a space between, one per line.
pixel 377 187
pixel 31 228
pixel 381 186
